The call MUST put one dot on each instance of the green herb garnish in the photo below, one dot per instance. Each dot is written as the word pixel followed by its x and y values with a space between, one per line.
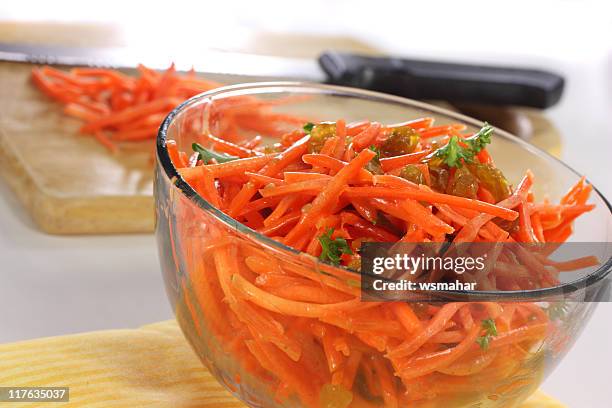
pixel 489 326
pixel 332 249
pixel 376 150
pixel 460 150
pixel 374 165
pixel 478 141
pixel 206 155
pixel 483 342
pixel 490 330
pixel 308 127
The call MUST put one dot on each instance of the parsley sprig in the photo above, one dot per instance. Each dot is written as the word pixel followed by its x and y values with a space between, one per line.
pixel 206 155
pixel 459 151
pixel 490 330
pixel 332 249
pixel 376 150
pixel 308 127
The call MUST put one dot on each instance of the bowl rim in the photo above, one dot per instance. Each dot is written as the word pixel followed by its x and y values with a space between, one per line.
pixel 177 180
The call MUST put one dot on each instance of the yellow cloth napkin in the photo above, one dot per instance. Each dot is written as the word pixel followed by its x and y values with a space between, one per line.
pixel 153 366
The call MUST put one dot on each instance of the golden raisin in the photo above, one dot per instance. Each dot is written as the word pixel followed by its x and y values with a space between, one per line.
pixel 412 173
pixel 319 134
pixel 402 140
pixel 439 176
pixel 492 179
pixel 464 184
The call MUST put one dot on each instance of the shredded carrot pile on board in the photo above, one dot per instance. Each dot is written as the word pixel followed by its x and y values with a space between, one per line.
pixel 117 107
pixel 324 190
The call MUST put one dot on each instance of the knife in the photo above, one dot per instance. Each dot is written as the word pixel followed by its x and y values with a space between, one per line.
pixel 416 79
pixel 455 83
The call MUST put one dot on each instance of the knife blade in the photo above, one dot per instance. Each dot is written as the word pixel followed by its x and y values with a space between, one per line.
pixel 213 63
pixel 455 83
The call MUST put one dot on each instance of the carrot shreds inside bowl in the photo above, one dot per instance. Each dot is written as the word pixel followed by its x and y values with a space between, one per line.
pixel 330 186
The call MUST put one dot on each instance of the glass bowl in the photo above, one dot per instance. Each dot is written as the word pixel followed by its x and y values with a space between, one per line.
pixel 201 249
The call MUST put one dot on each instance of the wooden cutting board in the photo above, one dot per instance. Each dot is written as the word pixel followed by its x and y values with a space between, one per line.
pixel 70 184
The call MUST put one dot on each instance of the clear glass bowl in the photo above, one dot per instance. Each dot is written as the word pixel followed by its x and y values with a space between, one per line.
pixel 200 248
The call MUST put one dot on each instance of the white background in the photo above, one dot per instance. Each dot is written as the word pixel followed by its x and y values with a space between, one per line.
pixel 57 285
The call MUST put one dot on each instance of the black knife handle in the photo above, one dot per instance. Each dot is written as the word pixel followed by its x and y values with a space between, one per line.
pixel 445 81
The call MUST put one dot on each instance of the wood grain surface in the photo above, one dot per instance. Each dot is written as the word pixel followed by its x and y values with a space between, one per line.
pixel 152 366
pixel 68 182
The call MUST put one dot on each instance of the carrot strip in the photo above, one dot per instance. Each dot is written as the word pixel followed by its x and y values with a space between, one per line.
pixel 260 204
pixel 406 316
pixel 288 220
pixel 106 142
pixel 366 137
pixel 260 179
pixel 355 128
pixel 231 148
pixel 387 382
pixel 131 113
pixel 366 228
pixel 174 154
pixel 289 307
pixel 311 187
pixel 338 151
pixel 430 196
pixel 440 130
pixel 298 176
pixel 572 265
pixel 417 124
pixel 364 209
pixel 270 169
pixel 435 326
pixel 329 146
pixel 79 111
pixel 391 163
pixel 329 195
pixel 210 190
pixel 428 364
pixel 334 164
pixel 350 369
pixel 290 373
pixel 51 89
pixel 471 229
pixel 412 211
pixel 233 168
pixel 485 195
pixel 309 293
pixel 281 209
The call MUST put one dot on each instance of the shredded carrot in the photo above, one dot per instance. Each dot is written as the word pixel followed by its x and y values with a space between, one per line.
pixel 106 142
pixel 390 163
pixel 330 194
pixel 130 108
pixel 432 197
pixel 302 327
pixel 366 137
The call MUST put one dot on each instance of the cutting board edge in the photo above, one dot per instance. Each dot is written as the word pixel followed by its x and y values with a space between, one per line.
pixel 70 215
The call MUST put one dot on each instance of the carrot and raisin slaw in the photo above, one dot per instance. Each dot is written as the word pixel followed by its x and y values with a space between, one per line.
pixel 326 188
